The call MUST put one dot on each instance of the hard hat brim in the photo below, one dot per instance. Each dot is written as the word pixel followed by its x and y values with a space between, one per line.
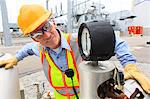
pixel 36 24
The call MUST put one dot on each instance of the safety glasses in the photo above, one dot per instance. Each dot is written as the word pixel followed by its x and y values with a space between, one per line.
pixel 46 28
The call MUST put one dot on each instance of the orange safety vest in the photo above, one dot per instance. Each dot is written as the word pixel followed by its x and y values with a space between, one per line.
pixel 59 81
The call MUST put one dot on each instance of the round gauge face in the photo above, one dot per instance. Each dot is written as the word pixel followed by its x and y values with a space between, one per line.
pixel 86 42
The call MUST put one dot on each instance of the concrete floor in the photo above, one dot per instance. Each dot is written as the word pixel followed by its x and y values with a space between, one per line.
pixel 139 48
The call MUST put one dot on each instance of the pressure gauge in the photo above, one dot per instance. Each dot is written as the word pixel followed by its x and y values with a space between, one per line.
pixel 96 40
pixel 86 41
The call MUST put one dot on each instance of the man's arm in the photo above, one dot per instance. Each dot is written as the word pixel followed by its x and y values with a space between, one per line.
pixel 27 50
pixel 130 69
pixel 122 52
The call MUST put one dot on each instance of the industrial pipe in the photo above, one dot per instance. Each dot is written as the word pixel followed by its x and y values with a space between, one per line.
pixel 9 81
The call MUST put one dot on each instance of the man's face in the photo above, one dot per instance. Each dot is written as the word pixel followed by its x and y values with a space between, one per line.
pixel 47 35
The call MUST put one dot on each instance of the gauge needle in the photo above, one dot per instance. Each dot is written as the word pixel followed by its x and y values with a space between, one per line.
pixel 86 42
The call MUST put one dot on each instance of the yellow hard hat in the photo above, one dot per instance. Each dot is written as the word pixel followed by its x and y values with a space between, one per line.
pixel 31 17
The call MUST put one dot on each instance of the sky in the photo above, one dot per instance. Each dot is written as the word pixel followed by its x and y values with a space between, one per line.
pixel 14 5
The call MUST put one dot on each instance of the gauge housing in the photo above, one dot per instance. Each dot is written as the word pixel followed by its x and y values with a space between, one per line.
pixel 96 41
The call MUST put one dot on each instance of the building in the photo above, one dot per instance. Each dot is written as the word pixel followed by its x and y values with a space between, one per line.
pixel 141 8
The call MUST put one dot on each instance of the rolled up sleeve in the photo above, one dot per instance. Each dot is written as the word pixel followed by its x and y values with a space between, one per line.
pixel 28 50
pixel 123 53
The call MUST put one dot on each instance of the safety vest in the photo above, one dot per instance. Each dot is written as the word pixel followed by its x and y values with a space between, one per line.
pixel 58 79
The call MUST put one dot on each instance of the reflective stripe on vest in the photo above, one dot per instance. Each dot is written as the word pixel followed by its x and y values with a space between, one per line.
pixel 57 78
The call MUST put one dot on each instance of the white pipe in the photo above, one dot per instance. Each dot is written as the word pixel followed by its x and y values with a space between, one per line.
pixel 9 82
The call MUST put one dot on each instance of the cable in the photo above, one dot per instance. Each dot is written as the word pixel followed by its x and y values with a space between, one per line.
pixel 74 89
pixel 70 74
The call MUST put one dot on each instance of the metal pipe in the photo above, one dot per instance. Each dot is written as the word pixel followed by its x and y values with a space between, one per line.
pixel 6 30
pixel 69 16
pixel 9 81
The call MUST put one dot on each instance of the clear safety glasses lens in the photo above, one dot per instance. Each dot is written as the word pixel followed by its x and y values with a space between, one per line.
pixel 46 28
pixel 36 35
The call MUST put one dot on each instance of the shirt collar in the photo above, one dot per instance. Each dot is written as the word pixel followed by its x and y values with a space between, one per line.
pixel 64 43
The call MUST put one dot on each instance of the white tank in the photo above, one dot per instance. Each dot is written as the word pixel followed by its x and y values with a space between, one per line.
pixel 9 81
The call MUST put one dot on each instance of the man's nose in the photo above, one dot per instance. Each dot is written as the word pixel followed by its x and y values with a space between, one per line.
pixel 47 34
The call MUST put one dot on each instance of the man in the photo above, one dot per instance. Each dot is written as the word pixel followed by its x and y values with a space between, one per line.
pixel 57 55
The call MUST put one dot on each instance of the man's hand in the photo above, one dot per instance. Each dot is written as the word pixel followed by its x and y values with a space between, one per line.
pixel 131 72
pixel 9 63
